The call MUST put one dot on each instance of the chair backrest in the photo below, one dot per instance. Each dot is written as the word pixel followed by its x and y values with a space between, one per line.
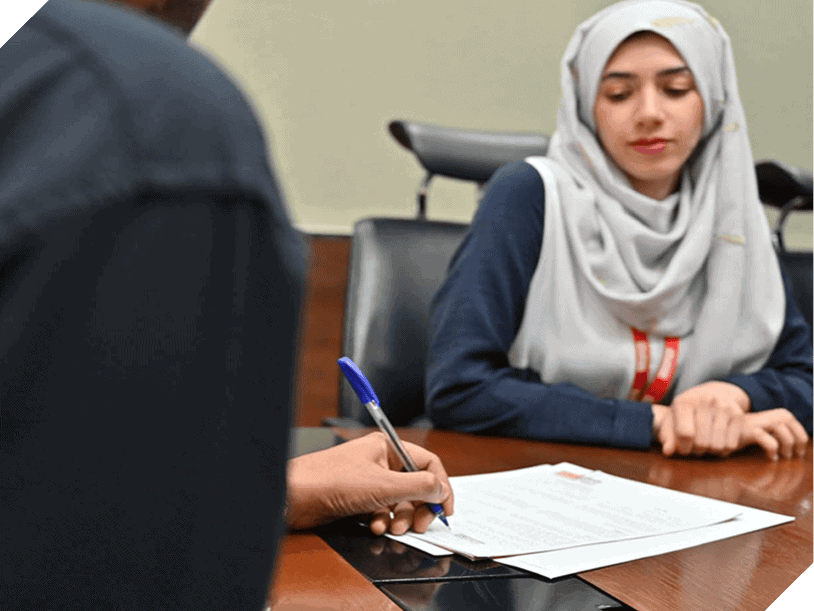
pixel 788 189
pixel 396 266
pixel 799 267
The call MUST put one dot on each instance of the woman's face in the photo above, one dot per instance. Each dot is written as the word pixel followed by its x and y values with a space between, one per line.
pixel 648 113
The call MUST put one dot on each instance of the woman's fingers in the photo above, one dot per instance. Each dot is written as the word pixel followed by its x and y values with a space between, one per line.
pixel 720 432
pixel 704 418
pixel 714 431
pixel 733 436
pixel 684 421
pixel 667 434
pixel 787 435
pixel 785 438
pixel 800 436
pixel 765 440
pixel 705 422
pixel 726 433
pixel 791 435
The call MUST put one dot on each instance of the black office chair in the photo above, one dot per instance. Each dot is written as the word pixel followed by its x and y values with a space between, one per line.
pixel 397 265
pixel 788 189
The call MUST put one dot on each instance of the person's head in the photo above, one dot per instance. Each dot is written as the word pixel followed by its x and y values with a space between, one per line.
pixel 648 81
pixel 181 14
pixel 648 113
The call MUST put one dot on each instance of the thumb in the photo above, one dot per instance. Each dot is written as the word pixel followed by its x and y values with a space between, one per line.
pixel 417 486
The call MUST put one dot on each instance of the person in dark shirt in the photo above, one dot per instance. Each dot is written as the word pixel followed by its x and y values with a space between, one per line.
pixel 150 286
pixel 624 289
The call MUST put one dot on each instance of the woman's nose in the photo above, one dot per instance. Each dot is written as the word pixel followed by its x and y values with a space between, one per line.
pixel 651 106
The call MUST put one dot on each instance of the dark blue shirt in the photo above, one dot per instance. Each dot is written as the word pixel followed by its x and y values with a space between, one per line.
pixel 477 312
pixel 149 290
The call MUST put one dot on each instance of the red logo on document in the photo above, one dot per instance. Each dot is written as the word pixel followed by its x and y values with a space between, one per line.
pixel 583 479
pixel 569 475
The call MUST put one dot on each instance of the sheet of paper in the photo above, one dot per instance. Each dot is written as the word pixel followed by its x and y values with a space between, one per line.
pixel 555 507
pixel 578 559
pixel 427 548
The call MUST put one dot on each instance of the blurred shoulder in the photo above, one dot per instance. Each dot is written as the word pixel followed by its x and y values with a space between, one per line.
pixel 102 102
pixel 159 84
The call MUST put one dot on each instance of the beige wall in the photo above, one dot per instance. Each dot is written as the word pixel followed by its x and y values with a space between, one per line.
pixel 326 77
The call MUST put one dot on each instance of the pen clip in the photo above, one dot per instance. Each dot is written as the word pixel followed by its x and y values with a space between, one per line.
pixel 358 381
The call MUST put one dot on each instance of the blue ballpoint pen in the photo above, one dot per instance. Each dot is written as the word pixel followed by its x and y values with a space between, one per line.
pixel 368 397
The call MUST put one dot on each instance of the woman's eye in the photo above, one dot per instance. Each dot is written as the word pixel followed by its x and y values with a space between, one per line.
pixel 617 97
pixel 675 93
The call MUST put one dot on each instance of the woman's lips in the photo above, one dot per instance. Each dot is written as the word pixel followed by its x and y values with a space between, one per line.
pixel 650 147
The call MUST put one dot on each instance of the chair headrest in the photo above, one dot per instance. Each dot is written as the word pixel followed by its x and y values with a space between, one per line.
pixel 474 155
pixel 778 183
pixel 465 154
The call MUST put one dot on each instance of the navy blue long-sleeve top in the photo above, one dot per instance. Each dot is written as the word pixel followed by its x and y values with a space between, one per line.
pixel 475 316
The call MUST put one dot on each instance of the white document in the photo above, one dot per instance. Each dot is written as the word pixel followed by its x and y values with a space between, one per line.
pixel 561 506
pixel 578 559
pixel 427 548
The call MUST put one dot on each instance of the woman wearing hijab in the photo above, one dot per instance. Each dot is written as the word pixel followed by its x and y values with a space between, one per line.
pixel 624 290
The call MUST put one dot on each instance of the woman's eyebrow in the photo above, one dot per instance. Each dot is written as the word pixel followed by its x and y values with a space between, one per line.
pixel 630 75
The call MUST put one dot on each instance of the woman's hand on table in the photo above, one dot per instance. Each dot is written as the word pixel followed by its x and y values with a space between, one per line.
pixel 705 419
pixel 724 431
pixel 365 476
pixel 777 431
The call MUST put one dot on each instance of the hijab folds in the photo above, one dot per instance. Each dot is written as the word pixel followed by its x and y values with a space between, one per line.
pixel 694 276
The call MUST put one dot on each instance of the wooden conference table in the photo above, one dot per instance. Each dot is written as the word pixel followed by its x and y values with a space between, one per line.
pixel 743 573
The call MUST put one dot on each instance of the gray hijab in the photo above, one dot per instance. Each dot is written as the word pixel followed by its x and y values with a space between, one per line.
pixel 698 265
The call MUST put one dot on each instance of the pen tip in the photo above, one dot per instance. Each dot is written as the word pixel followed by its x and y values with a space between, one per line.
pixel 444 520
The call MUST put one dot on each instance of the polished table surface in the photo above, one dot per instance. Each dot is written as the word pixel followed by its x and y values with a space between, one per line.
pixel 743 573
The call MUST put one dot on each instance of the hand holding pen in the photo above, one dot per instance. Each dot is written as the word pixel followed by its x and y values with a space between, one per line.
pixel 368 397
pixel 363 477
